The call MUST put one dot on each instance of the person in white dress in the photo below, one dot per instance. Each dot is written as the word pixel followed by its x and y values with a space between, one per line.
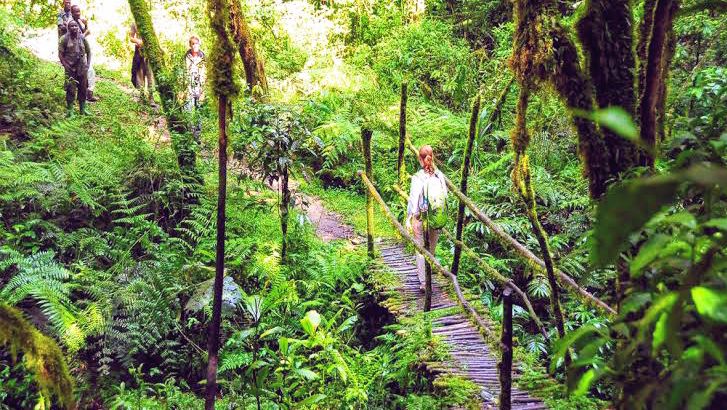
pixel 426 181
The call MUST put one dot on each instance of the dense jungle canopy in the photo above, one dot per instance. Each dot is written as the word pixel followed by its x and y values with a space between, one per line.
pixel 217 204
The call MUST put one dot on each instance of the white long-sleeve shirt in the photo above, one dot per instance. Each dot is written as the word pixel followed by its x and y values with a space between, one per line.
pixel 419 182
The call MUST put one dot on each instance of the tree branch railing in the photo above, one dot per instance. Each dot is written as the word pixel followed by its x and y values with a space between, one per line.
pixel 519 248
pixel 493 273
pixel 469 310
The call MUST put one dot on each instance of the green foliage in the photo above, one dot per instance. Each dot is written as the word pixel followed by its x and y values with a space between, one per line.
pixel 671 317
pixel 441 67
pixel 41 356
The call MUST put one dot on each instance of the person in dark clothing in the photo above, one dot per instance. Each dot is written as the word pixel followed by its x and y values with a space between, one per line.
pixel 75 56
pixel 64 16
pixel 141 74
pixel 83 25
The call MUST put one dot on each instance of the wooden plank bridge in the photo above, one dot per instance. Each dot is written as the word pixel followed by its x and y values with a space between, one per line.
pixel 471 357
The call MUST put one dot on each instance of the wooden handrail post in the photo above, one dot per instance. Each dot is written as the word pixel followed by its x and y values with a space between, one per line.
pixel 463 183
pixel 505 365
pixel 427 270
pixel 400 164
pixel 366 142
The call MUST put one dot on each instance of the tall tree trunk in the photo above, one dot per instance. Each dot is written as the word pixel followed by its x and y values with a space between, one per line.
pixel 654 75
pixel 222 58
pixel 465 173
pixel 400 165
pixel 607 36
pixel 213 339
pixel 543 51
pixel 284 210
pixel 253 64
pixel 184 144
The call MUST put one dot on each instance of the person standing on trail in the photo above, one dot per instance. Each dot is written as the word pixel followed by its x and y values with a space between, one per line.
pixel 141 74
pixel 427 201
pixel 83 25
pixel 64 16
pixel 75 56
pixel 195 77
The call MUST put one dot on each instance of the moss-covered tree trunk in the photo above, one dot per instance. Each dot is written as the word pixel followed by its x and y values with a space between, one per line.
pixel 655 72
pixel 253 64
pixel 606 32
pixel 224 87
pixel 184 143
pixel 464 175
pixel 523 184
pixel 283 173
pixel 366 145
pixel 400 164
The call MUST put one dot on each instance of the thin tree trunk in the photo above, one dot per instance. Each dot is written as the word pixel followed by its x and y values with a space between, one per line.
pixel 284 210
pixel 253 64
pixel 400 164
pixel 465 172
pixel 213 338
pixel 224 88
pixel 523 184
pixel 505 366
pixel 366 144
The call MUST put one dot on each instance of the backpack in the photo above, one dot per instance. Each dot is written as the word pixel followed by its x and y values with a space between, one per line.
pixel 435 200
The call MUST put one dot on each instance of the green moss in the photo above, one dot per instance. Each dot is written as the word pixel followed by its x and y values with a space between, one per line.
pixel 41 354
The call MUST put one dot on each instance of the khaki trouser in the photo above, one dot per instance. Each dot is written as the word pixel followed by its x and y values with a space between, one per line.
pixel 417 227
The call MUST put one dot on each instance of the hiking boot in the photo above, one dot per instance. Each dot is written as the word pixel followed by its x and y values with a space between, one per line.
pixel 69 113
pixel 83 109
pixel 91 97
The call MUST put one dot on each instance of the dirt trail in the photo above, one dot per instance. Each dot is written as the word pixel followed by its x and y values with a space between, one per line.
pixel 43 43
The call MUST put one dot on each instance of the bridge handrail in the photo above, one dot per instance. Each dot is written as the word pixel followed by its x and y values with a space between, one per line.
pixel 469 310
pixel 493 273
pixel 535 261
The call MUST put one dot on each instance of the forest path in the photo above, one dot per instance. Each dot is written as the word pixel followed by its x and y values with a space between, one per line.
pixel 471 357
pixel 43 43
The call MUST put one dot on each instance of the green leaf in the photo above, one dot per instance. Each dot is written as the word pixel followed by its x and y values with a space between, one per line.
pixel 585 382
pixel 308 374
pixel 310 322
pixel 681 218
pixel 660 331
pixel 718 223
pixel 624 210
pixel 311 401
pixel 661 305
pixel 617 120
pixel 648 252
pixel 710 303
pixel 562 345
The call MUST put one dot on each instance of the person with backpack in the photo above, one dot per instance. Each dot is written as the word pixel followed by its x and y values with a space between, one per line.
pixel 427 207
